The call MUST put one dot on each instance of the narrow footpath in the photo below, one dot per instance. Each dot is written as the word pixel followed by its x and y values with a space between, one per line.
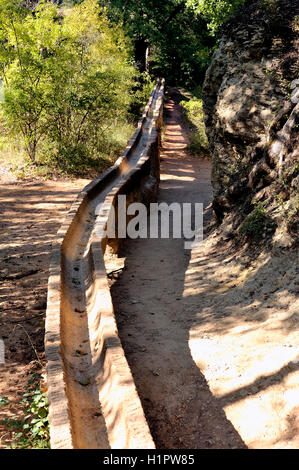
pixel 210 334
pixel 154 317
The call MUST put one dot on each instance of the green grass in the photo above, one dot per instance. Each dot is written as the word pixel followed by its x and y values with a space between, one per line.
pixel 12 155
pixel 192 106
pixel 32 430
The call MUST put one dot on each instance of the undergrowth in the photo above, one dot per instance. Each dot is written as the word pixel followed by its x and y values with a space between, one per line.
pixel 194 117
pixel 15 160
pixel 32 431
pixel 254 223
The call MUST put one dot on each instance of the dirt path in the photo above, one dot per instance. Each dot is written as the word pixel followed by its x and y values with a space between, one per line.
pixel 154 318
pixel 211 336
pixel 31 213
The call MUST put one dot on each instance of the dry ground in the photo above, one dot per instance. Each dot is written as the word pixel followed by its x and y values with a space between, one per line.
pixel 211 336
pixel 30 214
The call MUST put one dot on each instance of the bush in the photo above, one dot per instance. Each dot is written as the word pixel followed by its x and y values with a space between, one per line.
pixel 141 94
pixel 254 223
pixel 194 113
pixel 67 77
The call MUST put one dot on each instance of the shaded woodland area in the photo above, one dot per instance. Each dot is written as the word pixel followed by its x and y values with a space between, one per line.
pixel 76 74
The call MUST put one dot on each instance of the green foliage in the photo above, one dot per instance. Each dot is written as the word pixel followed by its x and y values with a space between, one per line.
pixel 141 93
pixel 254 223
pixel 180 46
pixel 193 111
pixel 4 401
pixel 216 12
pixel 68 80
pixel 271 5
pixel 31 432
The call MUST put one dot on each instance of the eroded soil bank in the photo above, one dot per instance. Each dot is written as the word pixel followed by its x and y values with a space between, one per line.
pixel 209 334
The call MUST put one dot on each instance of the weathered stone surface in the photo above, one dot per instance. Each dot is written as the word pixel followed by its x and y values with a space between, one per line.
pixel 250 114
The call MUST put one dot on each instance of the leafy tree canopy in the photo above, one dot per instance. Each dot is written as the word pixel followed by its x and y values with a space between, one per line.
pixel 216 12
pixel 67 75
pixel 180 45
pixel 180 35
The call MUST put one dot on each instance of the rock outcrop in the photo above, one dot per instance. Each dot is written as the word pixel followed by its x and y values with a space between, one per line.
pixel 251 109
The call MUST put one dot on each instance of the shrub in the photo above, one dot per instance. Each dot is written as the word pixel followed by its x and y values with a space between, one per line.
pixel 194 113
pixel 67 77
pixel 254 223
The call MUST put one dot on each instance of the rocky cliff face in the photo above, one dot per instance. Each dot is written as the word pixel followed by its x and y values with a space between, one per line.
pixel 251 104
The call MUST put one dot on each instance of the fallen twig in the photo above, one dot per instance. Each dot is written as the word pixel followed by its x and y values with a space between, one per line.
pixel 12 277
pixel 23 319
pixel 111 274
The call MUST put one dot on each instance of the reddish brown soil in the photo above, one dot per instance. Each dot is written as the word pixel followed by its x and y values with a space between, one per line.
pixel 31 213
pixel 153 321
pixel 210 335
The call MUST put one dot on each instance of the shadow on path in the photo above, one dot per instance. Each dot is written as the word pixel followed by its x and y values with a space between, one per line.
pixel 154 318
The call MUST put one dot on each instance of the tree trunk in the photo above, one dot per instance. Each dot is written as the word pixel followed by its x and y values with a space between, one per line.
pixel 31 150
pixel 141 55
